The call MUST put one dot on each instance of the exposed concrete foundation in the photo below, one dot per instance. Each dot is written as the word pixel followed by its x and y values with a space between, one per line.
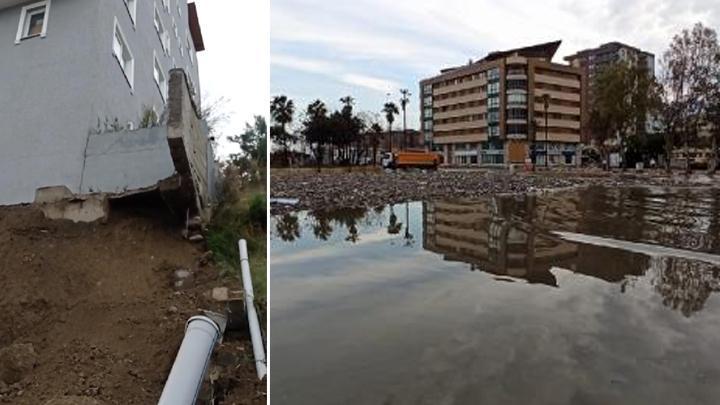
pixel 59 203
pixel 174 158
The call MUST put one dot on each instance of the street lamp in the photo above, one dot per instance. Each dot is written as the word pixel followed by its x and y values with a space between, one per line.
pixel 546 104
pixel 404 100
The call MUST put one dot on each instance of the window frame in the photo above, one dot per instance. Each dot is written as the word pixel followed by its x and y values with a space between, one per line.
pixel 131 6
pixel 190 49
pixel 161 30
pixel 129 77
pixel 20 36
pixel 162 85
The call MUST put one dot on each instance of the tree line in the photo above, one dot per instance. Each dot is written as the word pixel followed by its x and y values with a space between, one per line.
pixel 348 136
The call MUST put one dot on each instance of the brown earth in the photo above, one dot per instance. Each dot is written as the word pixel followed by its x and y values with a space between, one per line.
pixel 98 305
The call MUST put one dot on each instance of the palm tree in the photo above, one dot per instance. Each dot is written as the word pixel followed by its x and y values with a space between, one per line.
pixel 390 110
pixel 282 110
pixel 347 101
pixel 404 101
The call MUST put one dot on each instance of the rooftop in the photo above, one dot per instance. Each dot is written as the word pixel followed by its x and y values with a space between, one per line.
pixel 606 47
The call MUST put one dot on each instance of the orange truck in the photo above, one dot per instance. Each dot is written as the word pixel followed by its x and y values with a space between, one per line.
pixel 411 158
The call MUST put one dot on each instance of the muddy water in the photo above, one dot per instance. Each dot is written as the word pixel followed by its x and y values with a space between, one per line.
pixel 595 296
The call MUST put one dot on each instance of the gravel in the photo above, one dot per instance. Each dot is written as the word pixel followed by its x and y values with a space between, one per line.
pixel 331 190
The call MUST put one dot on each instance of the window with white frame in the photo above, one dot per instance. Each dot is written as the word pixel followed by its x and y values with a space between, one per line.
pixel 33 21
pixel 160 77
pixel 189 50
pixel 132 9
pixel 122 53
pixel 162 32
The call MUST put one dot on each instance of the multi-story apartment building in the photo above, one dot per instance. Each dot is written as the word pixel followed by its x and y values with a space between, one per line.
pixel 505 108
pixel 71 68
pixel 591 61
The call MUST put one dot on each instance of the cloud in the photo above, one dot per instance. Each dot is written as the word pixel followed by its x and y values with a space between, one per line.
pixel 372 83
pixel 302 64
pixel 376 44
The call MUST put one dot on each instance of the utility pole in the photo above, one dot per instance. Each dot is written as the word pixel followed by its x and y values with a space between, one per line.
pixel 404 100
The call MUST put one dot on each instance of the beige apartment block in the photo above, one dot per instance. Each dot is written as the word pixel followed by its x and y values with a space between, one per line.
pixel 592 61
pixel 493 111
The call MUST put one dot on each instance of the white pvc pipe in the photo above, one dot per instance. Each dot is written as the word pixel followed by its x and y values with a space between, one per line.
pixel 255 334
pixel 186 377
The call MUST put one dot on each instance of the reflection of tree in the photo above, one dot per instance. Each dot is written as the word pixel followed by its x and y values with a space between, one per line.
pixel 322 228
pixel 345 217
pixel 352 234
pixel 394 226
pixel 288 227
pixel 685 285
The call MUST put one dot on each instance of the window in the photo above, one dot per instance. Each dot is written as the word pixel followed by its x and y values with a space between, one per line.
pixel 517 99
pixel 33 21
pixel 427 89
pixel 493 74
pixel 428 112
pixel 493 102
pixel 517 129
pixel 493 88
pixel 162 33
pixel 494 130
pixel 132 9
pixel 190 50
pixel 123 55
pixel 160 77
pixel 493 117
pixel 428 125
pixel 427 101
pixel 517 114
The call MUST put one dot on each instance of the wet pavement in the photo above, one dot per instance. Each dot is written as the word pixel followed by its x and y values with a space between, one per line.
pixel 590 296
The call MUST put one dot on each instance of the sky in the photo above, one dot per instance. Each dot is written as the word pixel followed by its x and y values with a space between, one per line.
pixel 322 49
pixel 234 65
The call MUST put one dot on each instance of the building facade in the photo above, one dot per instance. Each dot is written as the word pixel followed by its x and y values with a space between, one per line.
pixel 493 111
pixel 591 61
pixel 73 68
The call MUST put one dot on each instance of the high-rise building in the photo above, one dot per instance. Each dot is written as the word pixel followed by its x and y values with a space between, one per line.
pixel 506 108
pixel 591 61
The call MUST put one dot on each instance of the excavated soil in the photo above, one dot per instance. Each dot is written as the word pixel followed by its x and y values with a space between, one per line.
pixel 99 306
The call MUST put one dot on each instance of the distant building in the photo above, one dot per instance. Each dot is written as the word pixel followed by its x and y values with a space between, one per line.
pixel 73 69
pixel 591 61
pixel 491 112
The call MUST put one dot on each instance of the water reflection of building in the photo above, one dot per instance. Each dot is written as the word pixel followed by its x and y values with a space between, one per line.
pixel 498 237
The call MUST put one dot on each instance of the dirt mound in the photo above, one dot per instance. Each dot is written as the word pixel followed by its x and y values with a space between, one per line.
pixel 16 361
pixel 100 307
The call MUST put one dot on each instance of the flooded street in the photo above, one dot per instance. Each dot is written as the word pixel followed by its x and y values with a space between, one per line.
pixel 590 296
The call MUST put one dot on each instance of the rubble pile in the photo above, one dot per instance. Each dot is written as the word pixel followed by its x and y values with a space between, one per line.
pixel 326 190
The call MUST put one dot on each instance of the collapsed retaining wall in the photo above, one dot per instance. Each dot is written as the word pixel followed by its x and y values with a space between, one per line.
pixel 175 158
